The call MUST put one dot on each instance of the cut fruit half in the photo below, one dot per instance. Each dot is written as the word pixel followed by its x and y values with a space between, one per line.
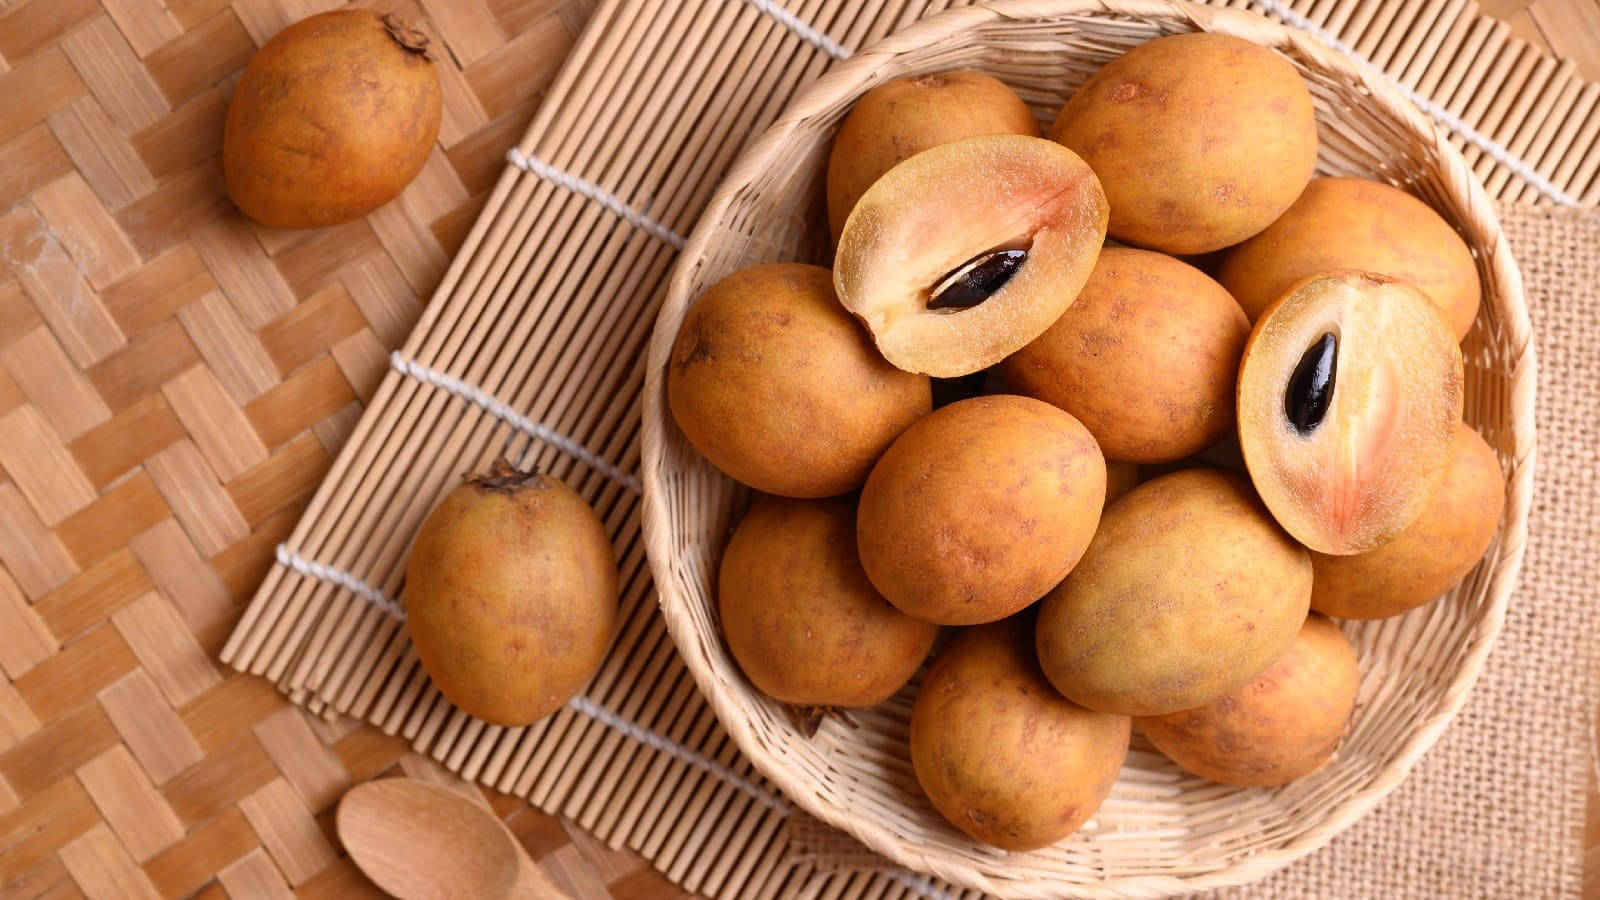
pixel 964 253
pixel 1349 397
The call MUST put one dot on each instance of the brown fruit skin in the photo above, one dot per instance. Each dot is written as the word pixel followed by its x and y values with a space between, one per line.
pixel 1200 140
pixel 980 508
pixel 800 616
pixel 1432 554
pixel 510 598
pixel 780 388
pixel 1147 357
pixel 331 119
pixel 1283 725
pixel 1187 592
pixel 1354 223
pixel 999 753
pixel 901 118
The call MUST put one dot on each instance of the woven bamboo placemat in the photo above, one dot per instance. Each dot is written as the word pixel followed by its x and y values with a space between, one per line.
pixel 174 383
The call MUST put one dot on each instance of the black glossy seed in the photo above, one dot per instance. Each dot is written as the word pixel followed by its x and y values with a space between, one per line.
pixel 971 286
pixel 1310 389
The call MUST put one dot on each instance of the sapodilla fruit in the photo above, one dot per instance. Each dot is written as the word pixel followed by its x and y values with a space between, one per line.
pixel 964 253
pixel 800 616
pixel 1354 223
pixel 1350 392
pixel 980 508
pixel 1281 726
pixel 780 388
pixel 331 119
pixel 1147 357
pixel 1201 140
pixel 1188 590
pixel 1000 754
pixel 511 594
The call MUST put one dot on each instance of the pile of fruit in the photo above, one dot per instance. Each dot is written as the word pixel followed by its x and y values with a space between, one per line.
pixel 1127 480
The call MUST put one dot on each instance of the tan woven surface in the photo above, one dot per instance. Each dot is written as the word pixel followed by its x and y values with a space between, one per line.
pixel 173 384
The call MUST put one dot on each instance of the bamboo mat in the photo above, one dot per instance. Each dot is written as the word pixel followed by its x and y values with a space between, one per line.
pixel 174 384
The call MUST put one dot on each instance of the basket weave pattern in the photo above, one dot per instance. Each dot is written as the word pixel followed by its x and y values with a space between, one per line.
pixel 1160 831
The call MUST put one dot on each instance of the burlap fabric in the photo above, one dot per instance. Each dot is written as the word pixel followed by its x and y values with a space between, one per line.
pixel 1496 808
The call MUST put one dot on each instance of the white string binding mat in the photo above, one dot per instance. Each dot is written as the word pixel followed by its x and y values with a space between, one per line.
pixel 1443 116
pixel 596 193
pixel 801 30
pixel 478 397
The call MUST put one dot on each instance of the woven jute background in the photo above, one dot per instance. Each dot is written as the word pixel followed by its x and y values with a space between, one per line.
pixel 174 383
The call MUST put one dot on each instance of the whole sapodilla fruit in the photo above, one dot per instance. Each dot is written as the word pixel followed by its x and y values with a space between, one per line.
pixel 901 118
pixel 800 616
pixel 780 388
pixel 1147 357
pixel 331 119
pixel 1354 223
pixel 511 592
pixel 1188 590
pixel 980 508
pixel 1284 724
pixel 999 753
pixel 1200 140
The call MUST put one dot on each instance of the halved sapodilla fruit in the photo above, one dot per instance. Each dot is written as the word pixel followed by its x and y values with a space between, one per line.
pixel 964 253
pixel 1349 396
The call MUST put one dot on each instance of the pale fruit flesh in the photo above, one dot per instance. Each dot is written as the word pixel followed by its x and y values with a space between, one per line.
pixel 1366 469
pixel 936 212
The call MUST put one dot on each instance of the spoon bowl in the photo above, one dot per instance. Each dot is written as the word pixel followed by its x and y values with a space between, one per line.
pixel 422 841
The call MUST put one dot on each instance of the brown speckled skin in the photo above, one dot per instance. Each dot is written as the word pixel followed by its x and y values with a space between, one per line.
pixel 1003 756
pixel 510 598
pixel 1431 554
pixel 1354 223
pixel 800 616
pixel 1284 724
pixel 775 383
pixel 1200 140
pixel 901 118
pixel 331 119
pixel 980 508
pixel 1188 591
pixel 1147 357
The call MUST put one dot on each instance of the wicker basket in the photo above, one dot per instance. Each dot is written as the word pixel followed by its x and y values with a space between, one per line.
pixel 1160 832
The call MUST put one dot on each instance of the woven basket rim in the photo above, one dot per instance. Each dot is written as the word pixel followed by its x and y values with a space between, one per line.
pixel 849 78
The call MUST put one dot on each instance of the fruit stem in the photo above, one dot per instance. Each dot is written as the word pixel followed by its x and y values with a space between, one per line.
pixel 408 36
pixel 504 478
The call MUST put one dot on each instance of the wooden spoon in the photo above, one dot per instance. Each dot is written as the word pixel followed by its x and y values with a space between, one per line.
pixel 422 841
